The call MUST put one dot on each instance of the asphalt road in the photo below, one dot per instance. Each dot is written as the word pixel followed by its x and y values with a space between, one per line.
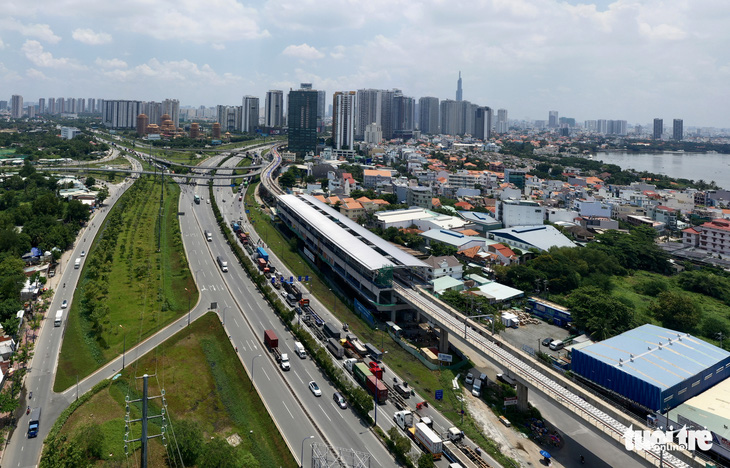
pixel 21 451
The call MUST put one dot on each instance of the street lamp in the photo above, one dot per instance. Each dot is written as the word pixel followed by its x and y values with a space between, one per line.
pixel 301 455
pixel 189 310
pixel 224 314
pixel 252 368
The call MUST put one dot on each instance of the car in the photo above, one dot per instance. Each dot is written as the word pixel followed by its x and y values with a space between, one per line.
pixel 83 253
pixel 547 341
pixel 469 379
pixel 315 388
pixel 64 304
pixel 207 201
pixel 340 400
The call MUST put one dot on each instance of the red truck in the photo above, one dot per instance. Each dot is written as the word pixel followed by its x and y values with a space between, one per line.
pixel 376 370
pixel 261 263
pixel 243 238
pixel 270 339
pixel 381 393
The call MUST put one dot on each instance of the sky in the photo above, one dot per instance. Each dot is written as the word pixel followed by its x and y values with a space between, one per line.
pixel 631 60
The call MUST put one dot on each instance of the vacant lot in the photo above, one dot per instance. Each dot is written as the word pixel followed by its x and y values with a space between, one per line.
pixel 129 289
pixel 204 383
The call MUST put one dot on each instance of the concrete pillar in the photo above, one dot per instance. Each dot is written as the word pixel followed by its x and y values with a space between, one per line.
pixel 521 397
pixel 392 315
pixel 444 341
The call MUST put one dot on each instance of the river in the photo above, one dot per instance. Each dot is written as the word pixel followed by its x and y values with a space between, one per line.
pixel 692 166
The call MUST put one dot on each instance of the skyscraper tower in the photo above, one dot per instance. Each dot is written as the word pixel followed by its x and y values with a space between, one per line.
pixel 16 106
pixel 343 119
pixel 658 129
pixel 302 120
pixel 459 91
pixel 678 129
pixel 274 108
pixel 553 119
pixel 428 109
pixel 250 114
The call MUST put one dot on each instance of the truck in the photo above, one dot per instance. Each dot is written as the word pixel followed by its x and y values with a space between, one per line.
pixel 243 238
pixel 59 318
pixel 354 344
pixel 404 419
pixel 375 369
pixel 374 352
pixel 261 264
pixel 329 329
pixel 377 388
pixel 361 372
pixel 510 320
pixel 456 455
pixel 34 422
pixel 303 303
pixel 334 347
pixel 261 253
pixel 270 339
pixel 223 264
pixel 427 439
pixel 299 350
pixel 236 228
pixel 208 236
pixel 349 363
pixel 77 263
pixel 197 199
pixel 282 359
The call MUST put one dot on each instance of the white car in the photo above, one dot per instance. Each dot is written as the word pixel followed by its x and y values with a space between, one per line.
pixel 64 304
pixel 83 253
pixel 469 379
pixel 314 388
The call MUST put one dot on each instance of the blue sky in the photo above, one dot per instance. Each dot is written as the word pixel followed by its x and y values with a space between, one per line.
pixel 632 60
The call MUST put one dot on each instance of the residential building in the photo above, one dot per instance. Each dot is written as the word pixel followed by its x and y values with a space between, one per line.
pixel 302 121
pixel 120 113
pixel 658 129
pixel 68 133
pixel 502 125
pixel 428 111
pixel 171 107
pixel 483 123
pixel 375 106
pixel 541 237
pixel 16 106
pixel 403 110
pixel 438 267
pixel 513 213
pixel 419 196
pixel 553 119
pixel 714 236
pixel 373 134
pixel 502 254
pixel 42 105
pixel 515 177
pixel 678 129
pixel 274 109
pixel 249 114
pixel 343 120
pixel 374 177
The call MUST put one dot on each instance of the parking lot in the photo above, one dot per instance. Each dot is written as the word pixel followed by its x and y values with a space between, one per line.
pixel 533 335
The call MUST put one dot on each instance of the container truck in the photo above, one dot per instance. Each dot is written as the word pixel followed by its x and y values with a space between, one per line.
pixel 223 264
pixel 428 440
pixel 376 370
pixel 34 422
pixel 236 227
pixel 330 329
pixel 377 388
pixel 270 339
pixel 243 238
pixel 334 347
pixel 261 263
pixel 349 363
pixel 59 318
pixel 299 349
pixel 404 419
pixel 262 253
pixel 361 372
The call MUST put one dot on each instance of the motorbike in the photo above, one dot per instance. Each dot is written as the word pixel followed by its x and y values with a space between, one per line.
pixel 30 395
pixel 27 411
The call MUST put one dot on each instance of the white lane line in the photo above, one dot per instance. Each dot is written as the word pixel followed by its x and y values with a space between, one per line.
pixel 267 375
pixel 262 325
pixel 337 409
pixel 300 379
pixel 287 410
pixel 236 322
pixel 325 414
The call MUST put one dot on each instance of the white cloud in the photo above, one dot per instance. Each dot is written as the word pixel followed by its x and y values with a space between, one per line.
pixel 35 74
pixel 182 71
pixel 39 31
pixel 88 36
pixel 664 32
pixel 338 52
pixel 218 46
pixel 111 63
pixel 34 52
pixel 303 52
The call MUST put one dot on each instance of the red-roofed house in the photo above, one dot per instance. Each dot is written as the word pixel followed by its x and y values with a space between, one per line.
pixel 464 205
pixel 691 237
pixel 714 236
pixel 503 254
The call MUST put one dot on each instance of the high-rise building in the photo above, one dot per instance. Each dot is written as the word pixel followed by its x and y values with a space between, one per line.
pixel 403 110
pixel 658 129
pixel 274 108
pixel 31 111
pixel 91 106
pixel 52 106
pixel 302 120
pixel 553 119
pixel 678 129
pixel 457 117
pixel 42 106
pixel 120 113
pixel 502 121
pixel 81 105
pixel 71 105
pixel 375 106
pixel 249 114
pixel 483 123
pixel 3 105
pixel 171 107
pixel 321 98
pixel 16 106
pixel 142 122
pixel 373 134
pixel 343 120
pixel 459 91
pixel 428 115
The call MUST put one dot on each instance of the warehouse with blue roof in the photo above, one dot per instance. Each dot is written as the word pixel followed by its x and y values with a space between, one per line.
pixel 653 366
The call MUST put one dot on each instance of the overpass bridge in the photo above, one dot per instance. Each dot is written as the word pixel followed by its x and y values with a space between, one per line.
pixel 132 171
pixel 598 414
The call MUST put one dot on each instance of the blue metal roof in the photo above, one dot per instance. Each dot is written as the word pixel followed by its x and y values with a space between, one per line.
pixel 671 366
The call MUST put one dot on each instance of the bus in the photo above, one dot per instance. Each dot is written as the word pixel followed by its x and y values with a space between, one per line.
pixel 197 199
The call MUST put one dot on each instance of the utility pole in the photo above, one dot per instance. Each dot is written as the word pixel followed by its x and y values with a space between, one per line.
pixel 144 438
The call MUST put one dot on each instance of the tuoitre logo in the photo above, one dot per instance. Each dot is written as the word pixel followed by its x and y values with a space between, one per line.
pixel 683 439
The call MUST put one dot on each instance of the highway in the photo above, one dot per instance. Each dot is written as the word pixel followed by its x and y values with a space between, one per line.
pixel 21 451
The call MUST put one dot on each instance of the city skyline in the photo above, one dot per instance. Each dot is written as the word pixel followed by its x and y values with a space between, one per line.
pixel 611 60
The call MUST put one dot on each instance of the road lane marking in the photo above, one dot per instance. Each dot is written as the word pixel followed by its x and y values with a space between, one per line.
pixel 325 414
pixel 287 409
pixel 300 379
pixel 338 409
pixel 267 375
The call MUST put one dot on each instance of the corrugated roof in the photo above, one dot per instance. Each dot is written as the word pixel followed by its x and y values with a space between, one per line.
pixel 657 355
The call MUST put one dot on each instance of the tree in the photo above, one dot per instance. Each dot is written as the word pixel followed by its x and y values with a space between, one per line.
pixel 89 182
pixel 189 438
pixel 61 453
pixel 218 454
pixel 102 195
pixel 598 313
pixel 288 179
pixel 425 460
pixel 676 310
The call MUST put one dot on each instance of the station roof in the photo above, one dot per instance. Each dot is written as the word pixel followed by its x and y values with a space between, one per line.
pixel 648 354
pixel 362 245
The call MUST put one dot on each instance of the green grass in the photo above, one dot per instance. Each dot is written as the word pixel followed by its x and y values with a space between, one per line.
pixel 204 382
pixel 144 289
pixel 237 181
pixel 425 381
